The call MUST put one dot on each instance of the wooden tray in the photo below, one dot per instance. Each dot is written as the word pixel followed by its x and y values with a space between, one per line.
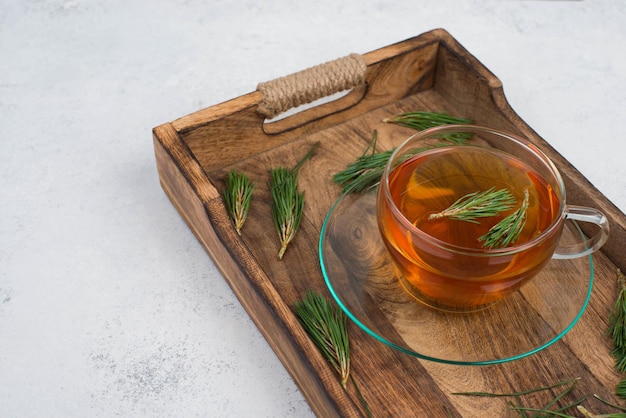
pixel 429 72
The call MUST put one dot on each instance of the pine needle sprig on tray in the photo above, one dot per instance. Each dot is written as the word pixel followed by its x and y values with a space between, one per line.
pixel 548 410
pixel 287 206
pixel 365 173
pixel 326 324
pixel 617 316
pixel 612 405
pixel 617 332
pixel 551 409
pixel 327 327
pixel 421 120
pixel 620 389
pixel 520 393
pixel 237 194
pixel 287 201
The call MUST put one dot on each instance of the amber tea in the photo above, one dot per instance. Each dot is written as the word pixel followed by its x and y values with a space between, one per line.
pixel 459 277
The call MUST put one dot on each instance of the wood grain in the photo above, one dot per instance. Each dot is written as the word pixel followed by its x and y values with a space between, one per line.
pixel 428 72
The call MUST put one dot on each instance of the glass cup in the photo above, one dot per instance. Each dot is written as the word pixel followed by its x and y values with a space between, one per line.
pixel 442 251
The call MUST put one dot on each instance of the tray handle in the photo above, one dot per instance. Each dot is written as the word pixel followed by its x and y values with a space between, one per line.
pixel 306 86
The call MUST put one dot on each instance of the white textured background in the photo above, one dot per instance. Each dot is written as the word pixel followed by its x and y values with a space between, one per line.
pixel 108 305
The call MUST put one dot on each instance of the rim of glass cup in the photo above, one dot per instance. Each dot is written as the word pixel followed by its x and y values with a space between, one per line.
pixel 483 252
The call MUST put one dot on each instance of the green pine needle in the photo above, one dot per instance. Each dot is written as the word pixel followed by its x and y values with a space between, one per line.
pixel 328 329
pixel 287 201
pixel 551 409
pixel 237 197
pixel 477 205
pixel 617 331
pixel 620 389
pixel 425 120
pixel 486 204
pixel 617 316
pixel 521 393
pixel 287 207
pixel 619 354
pixel 508 230
pixel 366 172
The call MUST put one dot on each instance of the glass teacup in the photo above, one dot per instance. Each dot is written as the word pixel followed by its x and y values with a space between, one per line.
pixel 456 255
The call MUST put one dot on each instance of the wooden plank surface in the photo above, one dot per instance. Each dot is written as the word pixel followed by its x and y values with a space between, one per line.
pixel 429 72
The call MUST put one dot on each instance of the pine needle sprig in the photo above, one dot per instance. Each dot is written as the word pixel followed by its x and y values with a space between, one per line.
pixel 327 327
pixel 366 172
pixel 612 405
pixel 508 230
pixel 519 393
pixel 287 206
pixel 424 120
pixel 617 331
pixel 546 410
pixel 620 389
pixel 587 414
pixel 238 189
pixel 326 324
pixel 477 205
pixel 619 354
pixel 617 316
pixel 287 201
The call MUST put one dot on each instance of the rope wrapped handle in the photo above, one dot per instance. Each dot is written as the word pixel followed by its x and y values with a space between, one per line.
pixel 306 86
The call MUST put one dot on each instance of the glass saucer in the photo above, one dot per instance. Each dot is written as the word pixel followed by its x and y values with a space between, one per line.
pixel 364 282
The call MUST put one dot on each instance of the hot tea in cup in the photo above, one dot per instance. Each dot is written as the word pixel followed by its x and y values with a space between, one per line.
pixel 468 224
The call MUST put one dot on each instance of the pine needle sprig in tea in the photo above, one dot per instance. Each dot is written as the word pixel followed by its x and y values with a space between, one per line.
pixel 327 326
pixel 508 230
pixel 486 204
pixel 287 201
pixel 237 194
pixel 475 205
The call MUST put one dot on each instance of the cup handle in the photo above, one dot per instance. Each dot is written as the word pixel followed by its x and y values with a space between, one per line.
pixel 589 244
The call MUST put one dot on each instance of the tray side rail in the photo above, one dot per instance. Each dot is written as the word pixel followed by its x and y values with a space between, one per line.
pixel 201 206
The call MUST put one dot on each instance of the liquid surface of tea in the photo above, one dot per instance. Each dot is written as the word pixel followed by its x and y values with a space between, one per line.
pixel 432 181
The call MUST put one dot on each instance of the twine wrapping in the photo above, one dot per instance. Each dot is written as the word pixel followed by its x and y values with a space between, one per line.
pixel 306 86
